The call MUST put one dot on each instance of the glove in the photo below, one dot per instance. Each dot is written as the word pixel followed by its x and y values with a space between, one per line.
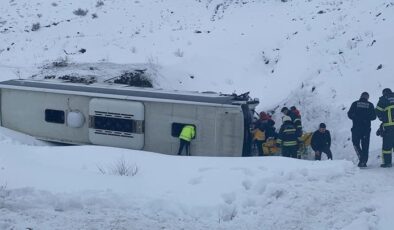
pixel 378 132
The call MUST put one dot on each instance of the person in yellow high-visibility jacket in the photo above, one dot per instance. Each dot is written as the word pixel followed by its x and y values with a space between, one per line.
pixel 187 134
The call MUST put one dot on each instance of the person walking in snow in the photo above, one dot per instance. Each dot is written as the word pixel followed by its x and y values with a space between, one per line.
pixel 295 118
pixel 187 134
pixel 362 112
pixel 321 142
pixel 288 138
pixel 385 112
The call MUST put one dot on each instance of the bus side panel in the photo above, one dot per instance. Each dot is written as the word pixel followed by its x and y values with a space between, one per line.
pixel 117 123
pixel 219 130
pixel 1 115
pixel 207 138
pixel 25 111
pixel 158 127
pixel 161 119
pixel 230 131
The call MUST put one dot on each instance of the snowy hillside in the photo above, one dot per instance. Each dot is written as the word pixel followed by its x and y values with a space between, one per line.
pixel 318 55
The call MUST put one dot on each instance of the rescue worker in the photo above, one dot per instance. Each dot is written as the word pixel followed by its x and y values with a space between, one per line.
pixel 385 112
pixel 296 112
pixel 187 134
pixel 288 138
pixel 362 112
pixel 258 136
pixel 321 142
pixel 268 125
pixel 296 119
pixel 263 130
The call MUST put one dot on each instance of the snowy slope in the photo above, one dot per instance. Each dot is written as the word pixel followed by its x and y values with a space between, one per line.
pixel 316 54
pixel 64 188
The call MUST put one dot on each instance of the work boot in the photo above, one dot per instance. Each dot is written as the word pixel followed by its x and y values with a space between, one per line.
pixel 387 161
pixel 389 165
pixel 362 165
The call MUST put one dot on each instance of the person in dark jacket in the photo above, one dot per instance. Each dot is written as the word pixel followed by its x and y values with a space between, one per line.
pixel 321 142
pixel 362 112
pixel 288 138
pixel 268 125
pixel 296 119
pixel 385 112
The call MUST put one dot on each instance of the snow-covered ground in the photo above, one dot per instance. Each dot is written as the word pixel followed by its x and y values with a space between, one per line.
pixel 48 187
pixel 316 54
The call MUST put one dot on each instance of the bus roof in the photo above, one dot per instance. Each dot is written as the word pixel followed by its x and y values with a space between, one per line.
pixel 122 90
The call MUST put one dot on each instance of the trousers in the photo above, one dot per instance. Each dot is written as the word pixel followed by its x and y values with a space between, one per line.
pixel 360 140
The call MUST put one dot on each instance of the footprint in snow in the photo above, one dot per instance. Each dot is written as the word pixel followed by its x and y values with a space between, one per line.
pixel 195 181
pixel 245 171
pixel 229 198
pixel 247 184
pixel 367 209
pixel 204 169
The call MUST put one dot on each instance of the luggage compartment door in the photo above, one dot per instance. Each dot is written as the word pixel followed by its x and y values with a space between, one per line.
pixel 117 123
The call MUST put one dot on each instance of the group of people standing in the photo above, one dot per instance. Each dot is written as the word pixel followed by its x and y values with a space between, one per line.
pixel 289 136
pixel 362 113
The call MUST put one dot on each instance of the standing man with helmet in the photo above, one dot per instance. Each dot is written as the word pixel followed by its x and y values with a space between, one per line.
pixel 362 112
pixel 295 118
pixel 385 113
pixel 288 138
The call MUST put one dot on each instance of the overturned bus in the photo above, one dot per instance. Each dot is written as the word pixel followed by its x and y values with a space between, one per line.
pixel 127 117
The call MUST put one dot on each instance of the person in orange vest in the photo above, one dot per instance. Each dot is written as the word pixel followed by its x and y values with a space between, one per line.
pixel 187 134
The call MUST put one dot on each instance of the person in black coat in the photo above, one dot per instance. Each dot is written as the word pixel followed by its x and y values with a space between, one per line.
pixel 321 142
pixel 362 112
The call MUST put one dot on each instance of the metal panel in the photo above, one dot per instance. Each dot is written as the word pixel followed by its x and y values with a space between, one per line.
pixel 117 123
pixel 121 90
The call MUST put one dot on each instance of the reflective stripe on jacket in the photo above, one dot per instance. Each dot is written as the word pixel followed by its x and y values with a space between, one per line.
pixel 288 134
pixel 188 133
pixel 385 109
